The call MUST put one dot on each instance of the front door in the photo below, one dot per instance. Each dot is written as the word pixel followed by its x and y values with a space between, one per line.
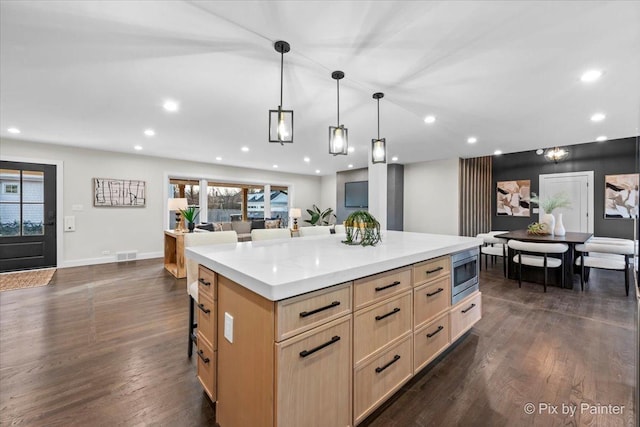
pixel 27 216
pixel 579 187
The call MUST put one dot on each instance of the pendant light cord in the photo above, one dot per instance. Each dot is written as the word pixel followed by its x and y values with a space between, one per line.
pixel 378 118
pixel 281 75
pixel 338 84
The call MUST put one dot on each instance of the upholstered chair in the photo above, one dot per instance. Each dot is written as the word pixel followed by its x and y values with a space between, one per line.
pixel 537 255
pixel 607 254
pixel 319 230
pixel 270 233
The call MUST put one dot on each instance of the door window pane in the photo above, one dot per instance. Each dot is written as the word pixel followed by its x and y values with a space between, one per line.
pixel 32 219
pixel 9 219
pixel 32 186
pixel 9 185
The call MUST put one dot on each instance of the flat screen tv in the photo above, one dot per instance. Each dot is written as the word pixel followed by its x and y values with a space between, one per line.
pixel 356 194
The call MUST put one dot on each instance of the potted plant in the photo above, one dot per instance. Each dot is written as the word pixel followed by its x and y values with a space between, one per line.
pixel 362 228
pixel 548 205
pixel 319 217
pixel 190 215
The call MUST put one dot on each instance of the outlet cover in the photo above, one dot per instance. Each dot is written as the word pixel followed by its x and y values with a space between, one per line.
pixel 228 327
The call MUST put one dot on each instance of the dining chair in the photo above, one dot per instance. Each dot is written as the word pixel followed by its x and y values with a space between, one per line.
pixel 270 234
pixel 315 231
pixel 537 255
pixel 606 254
pixel 493 247
pixel 200 239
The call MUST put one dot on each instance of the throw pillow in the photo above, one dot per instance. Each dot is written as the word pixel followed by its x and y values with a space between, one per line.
pixel 257 224
pixel 205 226
pixel 272 223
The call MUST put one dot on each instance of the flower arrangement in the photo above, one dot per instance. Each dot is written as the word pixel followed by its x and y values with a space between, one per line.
pixel 558 200
pixel 362 228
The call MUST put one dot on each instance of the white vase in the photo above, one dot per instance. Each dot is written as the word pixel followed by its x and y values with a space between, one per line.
pixel 559 228
pixel 549 222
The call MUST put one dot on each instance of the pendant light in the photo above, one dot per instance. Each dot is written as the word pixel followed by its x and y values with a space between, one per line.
pixel 338 135
pixel 281 121
pixel 378 146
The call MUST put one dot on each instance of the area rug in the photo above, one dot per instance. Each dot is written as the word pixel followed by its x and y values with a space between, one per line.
pixel 26 279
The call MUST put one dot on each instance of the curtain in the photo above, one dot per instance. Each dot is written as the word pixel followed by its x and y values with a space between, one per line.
pixel 475 195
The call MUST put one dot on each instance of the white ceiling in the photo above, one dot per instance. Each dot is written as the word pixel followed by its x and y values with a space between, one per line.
pixel 95 74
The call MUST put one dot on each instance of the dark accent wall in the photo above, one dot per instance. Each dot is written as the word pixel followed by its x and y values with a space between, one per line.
pixel 395 194
pixel 603 158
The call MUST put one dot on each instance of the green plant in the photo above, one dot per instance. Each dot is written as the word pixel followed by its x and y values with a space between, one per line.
pixel 558 200
pixel 537 229
pixel 190 213
pixel 319 217
pixel 362 229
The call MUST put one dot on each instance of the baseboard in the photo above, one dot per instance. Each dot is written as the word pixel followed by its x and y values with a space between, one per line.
pixel 107 259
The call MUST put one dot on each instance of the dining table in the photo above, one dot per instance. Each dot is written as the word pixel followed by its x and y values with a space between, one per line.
pixel 537 275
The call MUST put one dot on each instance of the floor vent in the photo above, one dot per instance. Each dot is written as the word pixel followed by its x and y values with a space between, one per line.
pixel 126 256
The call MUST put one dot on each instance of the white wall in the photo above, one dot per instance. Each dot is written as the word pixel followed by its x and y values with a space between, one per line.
pixel 328 194
pixel 431 197
pixel 128 229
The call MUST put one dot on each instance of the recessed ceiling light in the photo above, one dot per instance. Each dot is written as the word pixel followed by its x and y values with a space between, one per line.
pixel 171 105
pixel 497 152
pixel 349 166
pixel 149 132
pixel 13 130
pixel 472 140
pixel 245 149
pixel 317 170
pixel 351 149
pixel 601 138
pixel 306 159
pixel 591 76
pixel 218 158
pixel 430 119
pixel 598 117
pixel 394 159
pixel 539 151
pixel 137 147
pixel 275 166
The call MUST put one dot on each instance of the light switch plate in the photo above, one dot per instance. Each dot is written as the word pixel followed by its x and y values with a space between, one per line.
pixel 69 223
pixel 228 327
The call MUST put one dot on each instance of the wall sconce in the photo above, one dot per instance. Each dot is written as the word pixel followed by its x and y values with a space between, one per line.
pixel 556 154
pixel 378 146
pixel 176 205
pixel 295 213
pixel 338 135
pixel 281 121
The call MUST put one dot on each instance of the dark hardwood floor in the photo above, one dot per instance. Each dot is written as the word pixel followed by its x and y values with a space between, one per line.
pixel 105 345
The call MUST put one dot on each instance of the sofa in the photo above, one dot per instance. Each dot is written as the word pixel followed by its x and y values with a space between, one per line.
pixel 242 228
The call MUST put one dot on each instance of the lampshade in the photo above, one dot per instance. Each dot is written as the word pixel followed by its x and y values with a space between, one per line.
pixel 556 154
pixel 338 135
pixel 280 120
pixel 295 212
pixel 177 204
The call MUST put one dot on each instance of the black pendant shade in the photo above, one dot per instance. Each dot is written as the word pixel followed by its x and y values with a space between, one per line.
pixel 338 135
pixel 280 120
pixel 379 145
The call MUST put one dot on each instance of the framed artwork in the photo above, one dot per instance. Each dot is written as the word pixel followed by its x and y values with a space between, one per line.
pixel 621 196
pixel 120 193
pixel 514 198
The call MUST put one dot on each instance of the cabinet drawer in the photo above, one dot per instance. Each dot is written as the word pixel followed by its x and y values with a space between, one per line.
pixel 299 314
pixel 465 314
pixel 313 377
pixel 375 288
pixel 430 270
pixel 207 283
pixel 431 299
pixel 379 325
pixel 206 319
pixel 207 368
pixel 378 379
pixel 429 341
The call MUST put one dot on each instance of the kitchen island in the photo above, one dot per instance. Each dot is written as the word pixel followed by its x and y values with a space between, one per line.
pixel 309 331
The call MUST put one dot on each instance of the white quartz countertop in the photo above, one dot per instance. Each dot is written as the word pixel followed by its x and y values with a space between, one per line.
pixel 279 269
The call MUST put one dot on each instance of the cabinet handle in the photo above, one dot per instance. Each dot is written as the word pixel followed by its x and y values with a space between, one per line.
pixel 204 359
pixel 435 270
pixel 435 332
pixel 317 310
pixel 436 292
pixel 305 353
pixel 470 307
pixel 201 307
pixel 382 288
pixel 395 310
pixel 382 368
pixel 204 282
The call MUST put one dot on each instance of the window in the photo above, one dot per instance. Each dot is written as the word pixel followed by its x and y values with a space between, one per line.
pixel 10 188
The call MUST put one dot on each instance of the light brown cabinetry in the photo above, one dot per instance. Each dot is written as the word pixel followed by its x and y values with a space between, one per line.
pixel 427 271
pixel 174 253
pixel 430 340
pixel 375 288
pixel 207 337
pixel 465 314
pixel 431 299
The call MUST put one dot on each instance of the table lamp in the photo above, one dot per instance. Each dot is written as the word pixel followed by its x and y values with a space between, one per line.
pixel 176 205
pixel 295 213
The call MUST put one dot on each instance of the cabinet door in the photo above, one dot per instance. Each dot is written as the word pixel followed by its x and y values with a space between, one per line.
pixel 430 300
pixel 465 314
pixel 207 359
pixel 313 377
pixel 206 319
pixel 429 341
